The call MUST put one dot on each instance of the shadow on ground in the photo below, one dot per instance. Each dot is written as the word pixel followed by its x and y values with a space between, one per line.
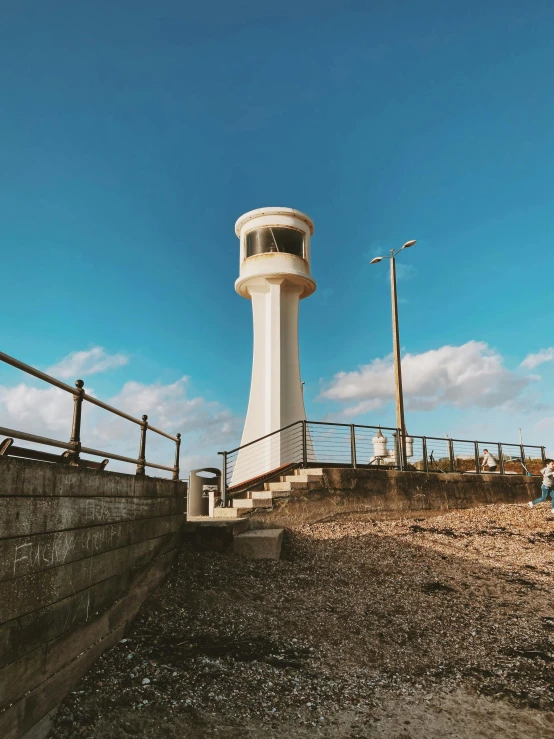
pixel 434 628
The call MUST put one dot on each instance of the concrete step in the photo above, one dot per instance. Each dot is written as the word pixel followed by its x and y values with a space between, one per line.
pixel 297 479
pixel 278 487
pixel 295 485
pixel 205 523
pixel 259 544
pixel 230 512
pixel 267 494
pixel 252 503
pixel 308 471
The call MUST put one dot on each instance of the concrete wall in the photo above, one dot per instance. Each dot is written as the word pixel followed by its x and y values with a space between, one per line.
pixel 393 494
pixel 79 552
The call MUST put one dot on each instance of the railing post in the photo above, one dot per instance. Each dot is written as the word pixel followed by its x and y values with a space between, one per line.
pixel 477 466
pixel 304 443
pixel 141 466
pixel 451 454
pixel 177 449
pixel 543 454
pixel 425 462
pixel 398 450
pixel 353 445
pixel 223 479
pixel 500 459
pixel 523 465
pixel 75 440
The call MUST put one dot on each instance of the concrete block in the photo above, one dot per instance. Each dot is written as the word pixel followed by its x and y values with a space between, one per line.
pixel 278 487
pixel 217 536
pixel 259 544
pixel 236 525
pixel 302 482
pixel 252 503
pixel 272 494
pixel 229 512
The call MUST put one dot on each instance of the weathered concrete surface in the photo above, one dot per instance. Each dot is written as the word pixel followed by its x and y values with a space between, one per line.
pixel 214 535
pixel 80 550
pixel 259 544
pixel 393 494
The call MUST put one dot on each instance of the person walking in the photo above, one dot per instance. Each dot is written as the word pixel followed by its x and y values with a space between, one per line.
pixel 489 460
pixel 547 485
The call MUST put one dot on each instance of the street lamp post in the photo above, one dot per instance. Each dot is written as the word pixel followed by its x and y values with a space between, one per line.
pixel 400 425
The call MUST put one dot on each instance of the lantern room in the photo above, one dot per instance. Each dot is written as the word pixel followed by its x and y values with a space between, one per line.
pixel 275 242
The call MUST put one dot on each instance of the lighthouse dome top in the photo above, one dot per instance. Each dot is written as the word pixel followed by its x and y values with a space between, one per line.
pixel 274 211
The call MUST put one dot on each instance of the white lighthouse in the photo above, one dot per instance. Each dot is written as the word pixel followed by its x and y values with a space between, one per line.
pixel 275 276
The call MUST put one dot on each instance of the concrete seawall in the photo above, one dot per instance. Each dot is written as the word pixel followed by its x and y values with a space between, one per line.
pixel 80 550
pixel 393 494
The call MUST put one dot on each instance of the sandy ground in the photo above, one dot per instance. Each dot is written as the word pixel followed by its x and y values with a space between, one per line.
pixel 426 628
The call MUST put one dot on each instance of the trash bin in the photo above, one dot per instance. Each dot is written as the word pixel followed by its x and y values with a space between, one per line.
pixel 199 489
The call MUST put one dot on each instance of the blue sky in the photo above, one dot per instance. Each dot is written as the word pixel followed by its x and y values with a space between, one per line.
pixel 134 134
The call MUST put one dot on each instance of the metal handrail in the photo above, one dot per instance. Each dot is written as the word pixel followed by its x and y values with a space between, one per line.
pixel 231 451
pixel 74 444
pixel 37 373
pixel 115 411
pixel 37 439
pixel 120 458
pixel 161 433
pixel 349 425
pixel 330 449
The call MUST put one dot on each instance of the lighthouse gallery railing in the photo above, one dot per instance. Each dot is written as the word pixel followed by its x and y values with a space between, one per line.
pixel 321 444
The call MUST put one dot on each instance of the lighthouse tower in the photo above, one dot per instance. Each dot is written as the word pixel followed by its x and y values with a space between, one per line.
pixel 275 276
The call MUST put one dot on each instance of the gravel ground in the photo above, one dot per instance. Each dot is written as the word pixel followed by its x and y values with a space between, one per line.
pixel 421 628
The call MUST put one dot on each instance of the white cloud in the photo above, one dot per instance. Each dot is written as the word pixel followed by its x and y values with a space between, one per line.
pixel 80 364
pixel 206 426
pixel 470 375
pixel 170 409
pixel 36 411
pixel 533 360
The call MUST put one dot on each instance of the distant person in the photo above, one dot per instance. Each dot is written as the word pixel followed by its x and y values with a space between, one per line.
pixel 547 485
pixel 489 461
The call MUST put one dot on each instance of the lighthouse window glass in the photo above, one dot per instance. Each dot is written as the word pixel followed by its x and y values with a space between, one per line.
pixel 275 239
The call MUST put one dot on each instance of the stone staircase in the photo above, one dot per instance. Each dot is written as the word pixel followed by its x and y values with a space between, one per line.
pixel 244 503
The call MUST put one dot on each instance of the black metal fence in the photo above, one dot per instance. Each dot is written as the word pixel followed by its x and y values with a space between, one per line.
pixel 321 444
pixel 73 447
